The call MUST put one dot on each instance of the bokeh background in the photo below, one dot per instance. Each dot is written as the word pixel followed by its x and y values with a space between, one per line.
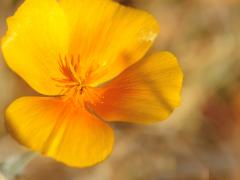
pixel 201 139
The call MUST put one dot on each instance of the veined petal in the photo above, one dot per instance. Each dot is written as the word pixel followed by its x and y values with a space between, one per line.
pixel 107 36
pixel 37 35
pixel 59 130
pixel 146 92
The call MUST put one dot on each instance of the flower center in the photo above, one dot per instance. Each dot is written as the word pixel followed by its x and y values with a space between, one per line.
pixel 73 81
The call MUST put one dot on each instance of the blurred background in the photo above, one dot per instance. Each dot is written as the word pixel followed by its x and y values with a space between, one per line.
pixel 201 139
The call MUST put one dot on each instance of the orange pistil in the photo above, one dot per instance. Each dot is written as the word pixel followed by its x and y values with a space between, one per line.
pixel 73 84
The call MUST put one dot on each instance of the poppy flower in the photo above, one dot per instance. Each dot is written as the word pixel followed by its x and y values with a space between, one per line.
pixel 85 58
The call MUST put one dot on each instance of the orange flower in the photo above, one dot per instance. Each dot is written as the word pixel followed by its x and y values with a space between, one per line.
pixel 83 55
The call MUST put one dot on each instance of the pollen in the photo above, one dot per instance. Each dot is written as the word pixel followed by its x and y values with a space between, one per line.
pixel 150 36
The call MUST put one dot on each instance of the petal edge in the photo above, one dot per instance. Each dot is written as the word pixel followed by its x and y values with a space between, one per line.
pixel 66 134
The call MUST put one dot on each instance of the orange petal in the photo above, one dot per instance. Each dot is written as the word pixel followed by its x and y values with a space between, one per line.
pixel 107 36
pixel 59 130
pixel 146 92
pixel 37 35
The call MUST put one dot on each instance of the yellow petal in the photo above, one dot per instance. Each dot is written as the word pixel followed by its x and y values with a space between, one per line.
pixel 146 92
pixel 37 35
pixel 107 36
pixel 59 130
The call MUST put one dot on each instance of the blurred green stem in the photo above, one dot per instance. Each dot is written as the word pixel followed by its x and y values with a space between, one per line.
pixel 13 167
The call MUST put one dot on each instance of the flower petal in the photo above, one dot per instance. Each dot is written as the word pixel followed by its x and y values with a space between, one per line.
pixel 146 92
pixel 107 36
pixel 59 130
pixel 37 35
